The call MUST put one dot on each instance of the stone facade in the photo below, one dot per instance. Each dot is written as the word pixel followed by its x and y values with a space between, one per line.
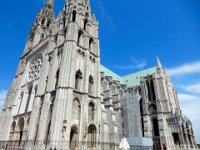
pixel 63 98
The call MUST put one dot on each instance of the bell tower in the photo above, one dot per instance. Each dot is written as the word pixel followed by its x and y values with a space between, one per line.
pixel 71 109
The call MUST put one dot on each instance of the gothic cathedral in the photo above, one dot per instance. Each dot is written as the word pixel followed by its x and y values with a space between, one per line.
pixel 63 98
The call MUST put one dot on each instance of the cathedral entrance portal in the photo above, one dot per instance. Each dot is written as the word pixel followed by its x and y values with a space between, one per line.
pixel 73 138
pixel 92 136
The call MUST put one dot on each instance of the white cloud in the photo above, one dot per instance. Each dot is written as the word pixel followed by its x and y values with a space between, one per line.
pixel 2 97
pixel 189 68
pixel 190 106
pixel 187 97
pixel 134 64
pixel 194 88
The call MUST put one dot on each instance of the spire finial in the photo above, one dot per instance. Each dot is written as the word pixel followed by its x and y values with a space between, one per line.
pixel 50 2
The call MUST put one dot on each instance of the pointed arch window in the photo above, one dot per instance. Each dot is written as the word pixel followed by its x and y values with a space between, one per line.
pixel 29 98
pixel 74 15
pixel 91 83
pixel 153 95
pixel 43 20
pixel 91 111
pixel 85 24
pixel 78 78
pixel 76 110
pixel 48 23
pixel 21 99
pixel 80 33
pixel 91 43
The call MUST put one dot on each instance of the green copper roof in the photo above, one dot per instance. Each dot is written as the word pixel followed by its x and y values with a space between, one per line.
pixel 130 80
pixel 134 79
pixel 112 74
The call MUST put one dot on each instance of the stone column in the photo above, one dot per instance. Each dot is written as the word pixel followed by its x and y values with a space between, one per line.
pixel 34 120
pixel 61 104
pixel 43 123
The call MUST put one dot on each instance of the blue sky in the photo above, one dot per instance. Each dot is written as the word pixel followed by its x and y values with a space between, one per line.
pixel 132 33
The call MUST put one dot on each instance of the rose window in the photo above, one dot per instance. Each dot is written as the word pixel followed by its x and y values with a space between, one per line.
pixel 35 67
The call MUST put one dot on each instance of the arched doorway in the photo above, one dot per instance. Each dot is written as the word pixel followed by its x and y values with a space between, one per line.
pixel 92 136
pixel 21 129
pixel 12 131
pixel 73 138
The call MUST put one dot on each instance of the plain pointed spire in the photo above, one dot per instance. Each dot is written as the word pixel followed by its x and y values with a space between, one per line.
pixel 159 65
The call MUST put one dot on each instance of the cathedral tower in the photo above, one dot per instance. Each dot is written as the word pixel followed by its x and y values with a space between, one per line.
pixel 63 98
pixel 54 101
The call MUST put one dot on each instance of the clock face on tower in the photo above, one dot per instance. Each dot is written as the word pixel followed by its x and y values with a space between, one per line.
pixel 35 67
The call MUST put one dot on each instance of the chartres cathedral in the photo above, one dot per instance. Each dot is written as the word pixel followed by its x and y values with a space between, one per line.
pixel 62 98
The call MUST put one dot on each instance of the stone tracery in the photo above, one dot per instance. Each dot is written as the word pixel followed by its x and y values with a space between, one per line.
pixel 35 66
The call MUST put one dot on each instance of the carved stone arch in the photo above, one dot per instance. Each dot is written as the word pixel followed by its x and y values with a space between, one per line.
pixel 91 137
pixel 13 126
pixel 78 77
pixel 76 111
pixel 21 123
pixel 20 127
pixel 91 44
pixel 91 85
pixel 91 111
pixel 74 137
pixel 80 37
